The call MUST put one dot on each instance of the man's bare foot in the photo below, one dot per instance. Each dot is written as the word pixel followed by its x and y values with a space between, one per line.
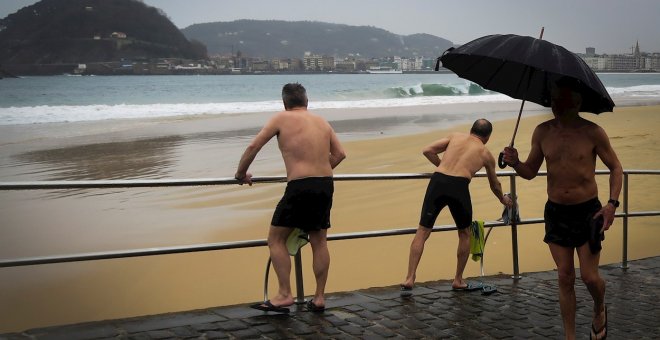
pixel 406 287
pixel 282 301
pixel 409 282
pixel 458 284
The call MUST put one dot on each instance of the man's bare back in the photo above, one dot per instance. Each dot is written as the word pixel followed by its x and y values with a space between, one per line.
pixel 309 145
pixel 464 155
pixel 306 142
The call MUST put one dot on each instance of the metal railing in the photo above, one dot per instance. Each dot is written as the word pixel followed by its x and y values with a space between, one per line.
pixel 51 185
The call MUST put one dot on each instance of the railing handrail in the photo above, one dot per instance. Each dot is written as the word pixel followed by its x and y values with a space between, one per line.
pixel 214 246
pixel 44 185
pixel 150 183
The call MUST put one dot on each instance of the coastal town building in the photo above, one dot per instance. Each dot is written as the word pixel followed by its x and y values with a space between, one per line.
pixel 316 62
pixel 636 61
pixel 345 65
pixel 238 63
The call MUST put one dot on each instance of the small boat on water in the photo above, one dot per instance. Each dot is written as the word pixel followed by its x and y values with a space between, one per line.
pixel 383 70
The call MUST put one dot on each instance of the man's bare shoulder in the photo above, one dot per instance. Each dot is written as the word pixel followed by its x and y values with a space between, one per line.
pixel 280 115
pixel 593 130
pixel 543 129
pixel 317 116
pixel 486 154
pixel 288 115
pixel 589 124
pixel 545 125
pixel 456 135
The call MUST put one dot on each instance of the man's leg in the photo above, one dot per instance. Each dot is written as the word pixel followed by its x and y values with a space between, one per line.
pixel 563 257
pixel 321 263
pixel 462 254
pixel 595 284
pixel 279 255
pixel 416 250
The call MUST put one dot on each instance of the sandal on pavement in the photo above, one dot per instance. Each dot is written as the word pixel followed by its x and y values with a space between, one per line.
pixel 313 307
pixel 594 333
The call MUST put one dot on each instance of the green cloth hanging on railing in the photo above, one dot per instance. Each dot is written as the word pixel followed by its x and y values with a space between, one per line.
pixel 296 240
pixel 477 242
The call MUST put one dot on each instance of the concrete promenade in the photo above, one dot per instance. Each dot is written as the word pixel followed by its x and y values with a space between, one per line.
pixel 523 309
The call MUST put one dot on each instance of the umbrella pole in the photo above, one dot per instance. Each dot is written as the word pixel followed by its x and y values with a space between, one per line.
pixel 500 160
pixel 515 131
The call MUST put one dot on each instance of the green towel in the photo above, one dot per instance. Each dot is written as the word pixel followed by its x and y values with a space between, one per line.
pixel 297 239
pixel 477 243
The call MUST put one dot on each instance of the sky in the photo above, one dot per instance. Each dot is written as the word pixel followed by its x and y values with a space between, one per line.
pixel 610 26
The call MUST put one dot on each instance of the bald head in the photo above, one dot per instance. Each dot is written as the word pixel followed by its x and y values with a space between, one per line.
pixel 482 128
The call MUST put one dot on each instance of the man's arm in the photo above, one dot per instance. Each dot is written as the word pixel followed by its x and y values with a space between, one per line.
pixel 431 151
pixel 609 158
pixel 529 168
pixel 267 132
pixel 337 153
pixel 495 185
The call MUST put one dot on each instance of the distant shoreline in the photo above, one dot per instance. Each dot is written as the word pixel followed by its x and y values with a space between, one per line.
pixel 19 70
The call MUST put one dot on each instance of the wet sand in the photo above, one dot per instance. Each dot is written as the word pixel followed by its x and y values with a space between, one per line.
pixel 37 223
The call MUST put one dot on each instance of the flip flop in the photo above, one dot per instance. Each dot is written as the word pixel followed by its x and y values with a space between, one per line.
pixel 314 308
pixel 406 291
pixel 488 289
pixel 270 307
pixel 594 333
pixel 470 287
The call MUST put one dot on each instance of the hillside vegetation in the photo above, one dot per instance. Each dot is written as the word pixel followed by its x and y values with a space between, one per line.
pixel 285 39
pixel 78 31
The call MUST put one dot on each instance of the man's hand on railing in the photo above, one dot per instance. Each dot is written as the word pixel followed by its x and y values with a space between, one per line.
pixel 507 201
pixel 244 179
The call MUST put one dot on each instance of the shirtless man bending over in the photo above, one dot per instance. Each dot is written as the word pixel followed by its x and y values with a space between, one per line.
pixel 569 144
pixel 310 150
pixel 463 155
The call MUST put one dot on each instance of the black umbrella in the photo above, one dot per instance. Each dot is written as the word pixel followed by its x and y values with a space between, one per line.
pixel 525 68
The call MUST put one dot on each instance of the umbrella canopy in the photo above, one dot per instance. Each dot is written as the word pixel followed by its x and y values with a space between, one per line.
pixel 525 68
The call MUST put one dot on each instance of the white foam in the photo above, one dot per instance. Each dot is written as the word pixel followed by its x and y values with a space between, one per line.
pixel 66 113
pixel 635 91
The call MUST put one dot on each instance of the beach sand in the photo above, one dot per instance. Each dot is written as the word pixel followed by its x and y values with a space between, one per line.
pixel 34 224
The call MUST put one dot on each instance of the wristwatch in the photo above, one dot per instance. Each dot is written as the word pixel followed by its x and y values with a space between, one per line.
pixel 614 202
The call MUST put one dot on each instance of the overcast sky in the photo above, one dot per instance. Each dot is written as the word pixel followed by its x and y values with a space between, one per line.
pixel 611 26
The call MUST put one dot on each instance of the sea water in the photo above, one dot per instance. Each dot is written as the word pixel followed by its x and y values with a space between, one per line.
pixel 53 99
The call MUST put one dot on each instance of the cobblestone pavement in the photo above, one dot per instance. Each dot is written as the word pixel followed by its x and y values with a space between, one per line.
pixel 522 309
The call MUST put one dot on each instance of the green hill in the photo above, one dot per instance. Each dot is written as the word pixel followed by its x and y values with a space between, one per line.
pixel 83 31
pixel 272 38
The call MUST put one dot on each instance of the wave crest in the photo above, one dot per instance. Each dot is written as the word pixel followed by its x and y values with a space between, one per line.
pixel 432 90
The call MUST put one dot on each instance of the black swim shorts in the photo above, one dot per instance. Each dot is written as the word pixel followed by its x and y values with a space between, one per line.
pixel 306 204
pixel 452 191
pixel 569 225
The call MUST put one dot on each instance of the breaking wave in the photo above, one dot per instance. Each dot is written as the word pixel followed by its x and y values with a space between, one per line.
pixel 469 89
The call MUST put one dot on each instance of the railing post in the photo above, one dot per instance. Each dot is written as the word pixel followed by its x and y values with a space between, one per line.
pixel 514 229
pixel 624 256
pixel 300 288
